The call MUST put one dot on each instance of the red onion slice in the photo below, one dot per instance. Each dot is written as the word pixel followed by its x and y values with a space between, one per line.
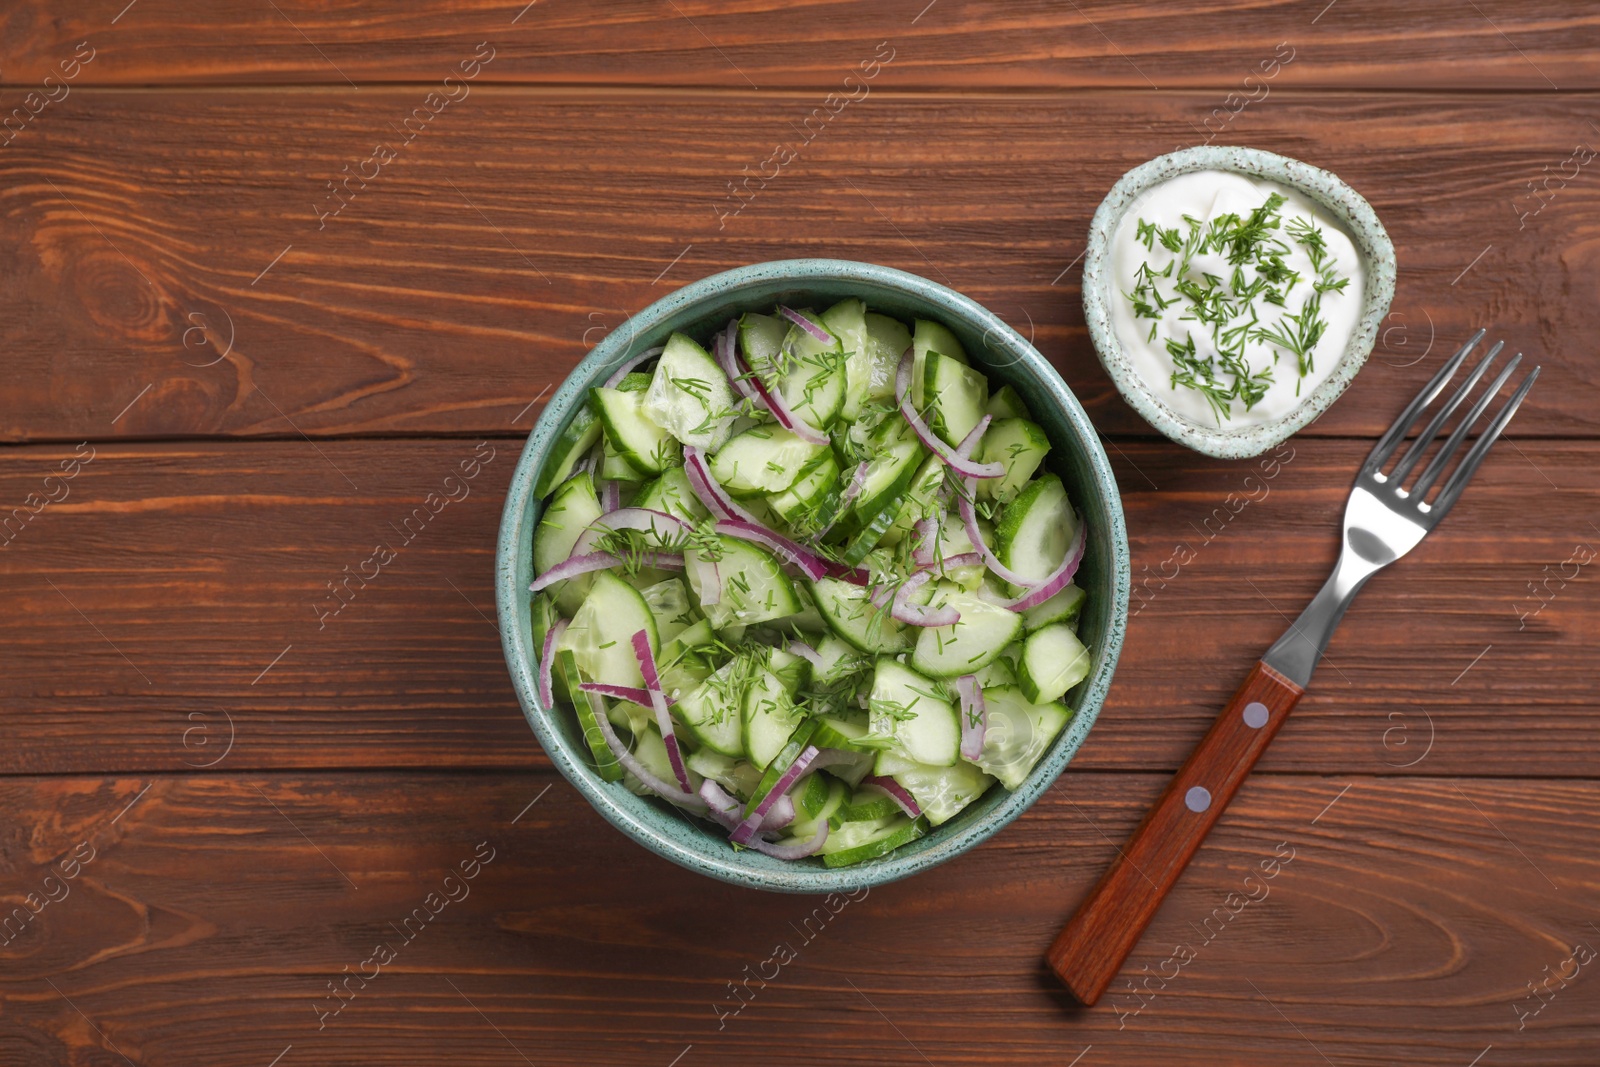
pixel 806 652
pixel 969 517
pixel 627 365
pixel 974 716
pixel 738 373
pixel 897 792
pixel 1057 581
pixel 746 830
pixel 665 790
pixel 708 490
pixel 793 852
pixel 902 610
pixel 645 520
pixel 658 701
pixel 610 496
pixel 960 464
pixel 791 551
pixel 599 561
pixel 705 576
pixel 787 418
pixel 927 532
pixel 629 693
pixel 552 637
pixel 816 331
pixel 854 575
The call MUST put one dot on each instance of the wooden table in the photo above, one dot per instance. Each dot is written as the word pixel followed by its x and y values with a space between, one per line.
pixel 273 270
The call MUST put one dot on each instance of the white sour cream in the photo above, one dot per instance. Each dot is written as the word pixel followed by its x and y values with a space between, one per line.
pixel 1210 196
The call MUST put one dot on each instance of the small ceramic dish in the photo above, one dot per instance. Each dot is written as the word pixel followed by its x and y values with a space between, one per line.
pixel 1342 202
pixel 701 308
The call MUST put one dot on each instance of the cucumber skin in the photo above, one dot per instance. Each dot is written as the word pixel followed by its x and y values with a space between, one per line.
pixel 865 618
pixel 573 508
pixel 606 765
pixel 1016 514
pixel 576 440
pixel 1018 445
pixel 900 834
pixel 1053 661
pixel 954 397
pixel 619 409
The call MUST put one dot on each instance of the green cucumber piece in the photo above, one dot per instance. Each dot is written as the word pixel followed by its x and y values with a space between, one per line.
pixel 847 320
pixel 928 337
pixel 1036 529
pixel 713 713
pixel 840 731
pixel 1017 733
pixel 920 500
pixel 1002 670
pixel 810 374
pixel 1065 607
pixel 671 494
pixel 650 750
pixel 614 468
pixel 839 659
pixel 601 634
pixel 689 395
pixel 954 396
pixel 849 611
pixel 780 763
pixel 851 847
pixel 761 338
pixel 807 504
pixel 808 815
pixel 887 341
pixel 869 805
pixel 1019 446
pixel 1053 661
pixel 754 587
pixel 763 459
pixel 646 446
pixel 574 443
pixel 770 717
pixel 941 792
pixel 907 711
pixel 668 602
pixel 895 455
pixel 968 645
pixel 570 512
pixel 1004 403
pixel 734 775
pixel 589 708
pixel 697 635
pixel 542 615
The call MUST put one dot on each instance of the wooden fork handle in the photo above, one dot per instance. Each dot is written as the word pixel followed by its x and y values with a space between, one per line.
pixel 1092 947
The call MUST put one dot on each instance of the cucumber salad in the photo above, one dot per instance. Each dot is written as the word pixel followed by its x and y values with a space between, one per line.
pixel 814 585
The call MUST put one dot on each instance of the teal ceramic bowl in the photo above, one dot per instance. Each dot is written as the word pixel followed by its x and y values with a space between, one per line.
pixel 698 310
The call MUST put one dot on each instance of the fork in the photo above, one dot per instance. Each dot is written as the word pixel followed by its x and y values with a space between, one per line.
pixel 1383 520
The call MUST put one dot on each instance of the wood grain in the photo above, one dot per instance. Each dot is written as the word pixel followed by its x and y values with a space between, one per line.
pixel 1094 945
pixel 217 909
pixel 943 44
pixel 161 592
pixel 168 275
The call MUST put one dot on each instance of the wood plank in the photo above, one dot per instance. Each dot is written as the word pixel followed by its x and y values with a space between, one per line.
pixel 1402 923
pixel 163 594
pixel 521 225
pixel 1348 44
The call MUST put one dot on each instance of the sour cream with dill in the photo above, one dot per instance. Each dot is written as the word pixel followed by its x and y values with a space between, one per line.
pixel 1235 296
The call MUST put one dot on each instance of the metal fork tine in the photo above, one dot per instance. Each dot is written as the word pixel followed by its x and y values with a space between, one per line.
pixel 1447 451
pixel 1413 455
pixel 1397 431
pixel 1480 448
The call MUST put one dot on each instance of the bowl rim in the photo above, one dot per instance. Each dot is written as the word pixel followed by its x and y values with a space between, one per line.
pixel 1328 190
pixel 515 626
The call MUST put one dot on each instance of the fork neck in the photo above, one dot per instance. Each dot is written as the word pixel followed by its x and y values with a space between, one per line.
pixel 1295 654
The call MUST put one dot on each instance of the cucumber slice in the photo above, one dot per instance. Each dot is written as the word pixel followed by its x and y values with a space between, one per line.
pixel 542 615
pixel 754 587
pixel 808 503
pixel 761 338
pixel 573 444
pixel 852 846
pixel 909 712
pixel 734 775
pixel 1053 661
pixel 1019 446
pixel 865 805
pixel 954 396
pixel 671 494
pixel 1036 529
pixel 689 395
pixel 867 538
pixel 920 500
pixel 887 341
pixel 614 468
pixel 646 446
pixel 929 337
pixel 1002 670
pixel 570 512
pixel 849 611
pixel 1018 733
pixel 698 635
pixel 810 374
pixel 969 645
pixel 713 715
pixel 780 763
pixel 668 602
pixel 847 320
pixel 1006 404
pixel 839 731
pixel 763 459
pixel 1065 607
pixel 650 750
pixel 589 707
pixel 808 817
pixel 770 717
pixel 940 792
pixel 839 659
pixel 601 634
pixel 895 455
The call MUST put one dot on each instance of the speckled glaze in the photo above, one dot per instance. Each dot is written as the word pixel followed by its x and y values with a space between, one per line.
pixel 1343 202
pixel 699 309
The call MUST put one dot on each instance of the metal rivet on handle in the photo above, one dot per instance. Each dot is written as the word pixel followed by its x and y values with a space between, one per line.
pixel 1255 715
pixel 1198 798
